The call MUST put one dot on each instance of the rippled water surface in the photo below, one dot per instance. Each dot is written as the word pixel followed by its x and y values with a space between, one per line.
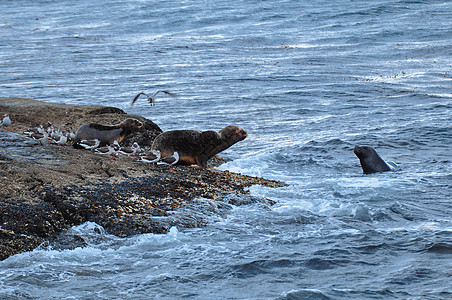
pixel 308 80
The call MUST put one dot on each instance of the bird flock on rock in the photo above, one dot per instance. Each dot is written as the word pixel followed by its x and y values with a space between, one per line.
pixel 145 156
pixel 52 135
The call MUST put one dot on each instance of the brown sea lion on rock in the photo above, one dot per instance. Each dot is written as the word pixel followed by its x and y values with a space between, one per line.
pixel 197 147
pixel 106 134
pixel 370 161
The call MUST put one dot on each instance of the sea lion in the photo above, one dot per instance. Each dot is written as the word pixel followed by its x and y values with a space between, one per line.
pixel 370 161
pixel 197 147
pixel 106 134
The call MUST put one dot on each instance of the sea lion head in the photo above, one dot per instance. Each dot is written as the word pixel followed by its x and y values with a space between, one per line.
pixel 363 151
pixel 370 160
pixel 233 134
pixel 131 124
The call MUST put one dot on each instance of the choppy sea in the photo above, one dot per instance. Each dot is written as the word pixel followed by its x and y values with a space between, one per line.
pixel 308 80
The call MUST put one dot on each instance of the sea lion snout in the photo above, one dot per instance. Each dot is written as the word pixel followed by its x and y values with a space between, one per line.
pixel 132 123
pixel 242 133
pixel 360 150
pixel 233 133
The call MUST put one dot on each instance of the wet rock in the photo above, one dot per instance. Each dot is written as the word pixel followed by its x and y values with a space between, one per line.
pixel 47 189
pixel 105 110
pixel 12 243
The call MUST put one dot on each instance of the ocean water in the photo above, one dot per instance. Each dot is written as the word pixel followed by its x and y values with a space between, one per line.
pixel 308 80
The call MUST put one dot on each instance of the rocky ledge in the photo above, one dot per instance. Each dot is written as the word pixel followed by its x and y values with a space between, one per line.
pixel 44 190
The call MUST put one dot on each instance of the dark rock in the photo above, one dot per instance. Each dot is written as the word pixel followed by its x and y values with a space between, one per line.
pixel 106 110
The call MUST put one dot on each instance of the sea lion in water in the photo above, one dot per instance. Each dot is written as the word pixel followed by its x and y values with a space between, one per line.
pixel 197 147
pixel 106 134
pixel 370 161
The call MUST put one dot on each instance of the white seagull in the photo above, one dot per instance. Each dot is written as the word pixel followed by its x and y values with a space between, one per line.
pixel 151 156
pixel 151 99
pixel 130 150
pixel 170 160
pixel 62 140
pixel 89 144
pixel 6 121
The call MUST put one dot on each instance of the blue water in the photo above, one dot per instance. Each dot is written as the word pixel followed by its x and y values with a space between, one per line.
pixel 308 80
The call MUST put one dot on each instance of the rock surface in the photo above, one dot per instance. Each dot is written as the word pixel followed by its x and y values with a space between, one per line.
pixel 44 190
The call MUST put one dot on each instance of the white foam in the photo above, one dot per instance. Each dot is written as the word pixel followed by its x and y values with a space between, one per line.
pixel 412 227
pixel 362 182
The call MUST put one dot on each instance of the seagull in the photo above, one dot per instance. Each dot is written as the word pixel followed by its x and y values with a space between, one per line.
pixel 62 140
pixel 130 150
pixel 54 133
pixel 42 138
pixel 37 135
pixel 89 144
pixel 6 121
pixel 107 150
pixel 32 131
pixel 151 156
pixel 71 135
pixel 170 160
pixel 41 129
pixel 116 146
pixel 104 150
pixel 151 99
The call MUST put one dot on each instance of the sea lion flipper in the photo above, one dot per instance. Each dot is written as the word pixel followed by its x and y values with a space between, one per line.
pixel 392 165
pixel 202 161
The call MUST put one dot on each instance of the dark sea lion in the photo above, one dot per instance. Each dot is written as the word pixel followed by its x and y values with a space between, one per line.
pixel 106 134
pixel 197 147
pixel 370 161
